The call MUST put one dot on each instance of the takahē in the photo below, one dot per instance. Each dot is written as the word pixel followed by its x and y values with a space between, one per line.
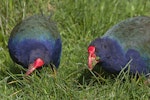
pixel 35 42
pixel 127 41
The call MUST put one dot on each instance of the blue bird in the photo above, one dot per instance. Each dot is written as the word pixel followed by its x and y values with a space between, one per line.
pixel 127 41
pixel 35 42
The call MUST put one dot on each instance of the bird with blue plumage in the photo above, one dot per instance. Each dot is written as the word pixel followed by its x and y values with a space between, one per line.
pixel 127 41
pixel 35 42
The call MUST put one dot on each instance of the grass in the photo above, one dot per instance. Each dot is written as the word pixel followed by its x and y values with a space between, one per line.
pixel 79 22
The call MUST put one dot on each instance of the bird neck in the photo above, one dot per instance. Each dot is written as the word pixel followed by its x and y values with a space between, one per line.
pixel 39 53
pixel 116 58
pixel 112 55
pixel 137 62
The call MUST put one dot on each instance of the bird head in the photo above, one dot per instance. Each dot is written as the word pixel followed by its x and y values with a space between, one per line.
pixel 36 64
pixel 106 52
pixel 98 51
pixel 37 57
pixel 92 58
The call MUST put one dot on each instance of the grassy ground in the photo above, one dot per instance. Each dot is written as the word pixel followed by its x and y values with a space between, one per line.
pixel 79 22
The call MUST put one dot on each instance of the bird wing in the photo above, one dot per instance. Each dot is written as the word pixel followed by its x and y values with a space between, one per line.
pixel 133 33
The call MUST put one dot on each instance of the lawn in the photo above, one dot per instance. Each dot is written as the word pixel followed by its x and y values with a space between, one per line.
pixel 79 22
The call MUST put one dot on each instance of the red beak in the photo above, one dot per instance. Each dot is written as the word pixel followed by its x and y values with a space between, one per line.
pixel 37 63
pixel 91 57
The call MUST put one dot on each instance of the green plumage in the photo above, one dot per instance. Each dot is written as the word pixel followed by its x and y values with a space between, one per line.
pixel 133 33
pixel 35 27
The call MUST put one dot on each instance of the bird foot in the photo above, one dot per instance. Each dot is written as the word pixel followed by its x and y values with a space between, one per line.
pixel 147 82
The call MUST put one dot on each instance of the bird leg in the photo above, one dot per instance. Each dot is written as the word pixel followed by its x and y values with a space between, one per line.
pixel 147 82
pixel 53 69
